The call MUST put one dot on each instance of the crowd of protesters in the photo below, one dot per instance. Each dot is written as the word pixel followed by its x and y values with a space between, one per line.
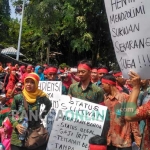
pixel 98 85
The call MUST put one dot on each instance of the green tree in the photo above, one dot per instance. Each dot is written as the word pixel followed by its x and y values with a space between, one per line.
pixel 4 19
pixel 74 27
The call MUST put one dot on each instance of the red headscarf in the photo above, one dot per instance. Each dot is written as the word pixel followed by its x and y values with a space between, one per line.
pixel 118 74
pixel 97 147
pixel 13 69
pixel 29 67
pixel 67 82
pixel 62 71
pixel 84 66
pixel 51 70
pixel 8 125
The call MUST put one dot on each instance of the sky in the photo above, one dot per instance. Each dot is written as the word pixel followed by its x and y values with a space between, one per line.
pixel 12 11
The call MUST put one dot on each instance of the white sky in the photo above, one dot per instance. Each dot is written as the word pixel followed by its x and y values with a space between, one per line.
pixel 12 11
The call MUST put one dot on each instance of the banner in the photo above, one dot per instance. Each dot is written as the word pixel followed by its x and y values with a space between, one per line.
pixel 53 89
pixel 76 121
pixel 130 31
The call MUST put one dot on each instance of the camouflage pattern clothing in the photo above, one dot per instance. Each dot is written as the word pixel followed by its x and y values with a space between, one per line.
pixel 18 111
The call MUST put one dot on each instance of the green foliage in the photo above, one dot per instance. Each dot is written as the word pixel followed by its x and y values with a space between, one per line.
pixel 4 19
pixel 74 27
pixel 63 65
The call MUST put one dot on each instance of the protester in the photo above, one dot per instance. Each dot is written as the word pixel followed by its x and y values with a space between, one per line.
pixel 22 71
pixel 144 95
pixel 66 80
pixel 5 133
pixel 34 98
pixel 28 70
pixel 39 71
pixel 4 110
pixel 139 113
pixel 9 97
pixel 6 78
pixel 45 66
pixel 128 85
pixel 97 143
pixel 143 98
pixel 1 69
pixel 94 75
pixel 17 67
pixel 120 82
pixel 52 76
pixel 12 80
pixel 74 76
pixel 85 89
pixel 119 134
pixel 102 70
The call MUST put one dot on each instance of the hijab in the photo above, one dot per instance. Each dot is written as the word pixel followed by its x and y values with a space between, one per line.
pixel 31 97
pixel 41 75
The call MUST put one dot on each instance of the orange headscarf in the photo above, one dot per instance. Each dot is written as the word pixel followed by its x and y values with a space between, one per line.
pixel 31 97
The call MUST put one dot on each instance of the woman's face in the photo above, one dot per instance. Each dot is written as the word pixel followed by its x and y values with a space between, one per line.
pixel 30 85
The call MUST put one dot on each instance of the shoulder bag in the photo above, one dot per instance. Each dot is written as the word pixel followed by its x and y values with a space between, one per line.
pixel 37 136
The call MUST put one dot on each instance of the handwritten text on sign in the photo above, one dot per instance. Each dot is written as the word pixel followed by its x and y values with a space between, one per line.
pixel 53 89
pixel 130 30
pixel 76 121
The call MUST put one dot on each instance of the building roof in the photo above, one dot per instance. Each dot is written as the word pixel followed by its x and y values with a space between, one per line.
pixel 10 51
pixel 5 59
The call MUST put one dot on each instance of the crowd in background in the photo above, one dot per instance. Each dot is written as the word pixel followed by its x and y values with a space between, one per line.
pixel 94 84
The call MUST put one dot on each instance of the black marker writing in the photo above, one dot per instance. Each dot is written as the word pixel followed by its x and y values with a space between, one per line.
pixel 132 44
pixel 127 63
pixel 63 147
pixel 117 32
pixel 131 13
pixel 117 4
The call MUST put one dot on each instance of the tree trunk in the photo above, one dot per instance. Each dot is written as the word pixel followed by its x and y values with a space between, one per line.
pixel 48 52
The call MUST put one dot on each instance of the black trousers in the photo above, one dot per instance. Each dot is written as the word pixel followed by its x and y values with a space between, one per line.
pixel 13 147
pixel 115 148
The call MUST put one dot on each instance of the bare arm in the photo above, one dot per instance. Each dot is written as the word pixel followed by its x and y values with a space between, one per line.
pixel 132 102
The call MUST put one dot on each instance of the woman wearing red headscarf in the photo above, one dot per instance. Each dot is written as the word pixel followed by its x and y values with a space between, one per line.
pixel 22 71
pixel 13 79
pixel 28 70
pixel 5 133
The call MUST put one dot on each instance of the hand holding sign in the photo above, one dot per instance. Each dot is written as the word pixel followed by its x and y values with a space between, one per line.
pixel 135 79
pixel 75 123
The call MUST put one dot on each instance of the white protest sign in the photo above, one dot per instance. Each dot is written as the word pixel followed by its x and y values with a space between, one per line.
pixel 53 89
pixel 76 121
pixel 130 31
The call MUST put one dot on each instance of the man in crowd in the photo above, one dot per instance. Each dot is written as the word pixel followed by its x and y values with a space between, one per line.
pixel 143 98
pixel 119 135
pixel 144 95
pixel 85 89
pixel 52 76
pixel 94 75
pixel 120 82
pixel 102 70
pixel 138 113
